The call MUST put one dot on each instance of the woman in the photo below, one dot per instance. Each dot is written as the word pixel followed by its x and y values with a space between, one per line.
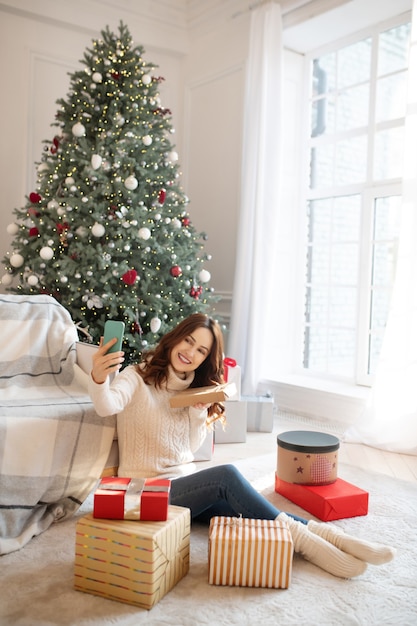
pixel 156 440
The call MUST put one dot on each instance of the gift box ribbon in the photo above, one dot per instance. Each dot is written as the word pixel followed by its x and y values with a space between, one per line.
pixel 228 362
pixel 134 487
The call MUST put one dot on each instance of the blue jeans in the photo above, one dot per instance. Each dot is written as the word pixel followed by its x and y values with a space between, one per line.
pixel 221 490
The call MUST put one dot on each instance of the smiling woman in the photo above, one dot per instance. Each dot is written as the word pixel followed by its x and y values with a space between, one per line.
pixel 158 440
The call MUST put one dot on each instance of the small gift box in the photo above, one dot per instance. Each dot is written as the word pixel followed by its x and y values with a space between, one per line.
pixel 133 499
pixel 202 395
pixel 250 552
pixel 233 374
pixel 206 450
pixel 327 502
pixel 235 428
pixel 132 562
pixel 260 413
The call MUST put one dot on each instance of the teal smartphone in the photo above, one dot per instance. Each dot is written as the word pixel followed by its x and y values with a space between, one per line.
pixel 112 329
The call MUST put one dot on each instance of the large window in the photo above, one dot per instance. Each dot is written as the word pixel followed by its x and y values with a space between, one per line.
pixel 358 96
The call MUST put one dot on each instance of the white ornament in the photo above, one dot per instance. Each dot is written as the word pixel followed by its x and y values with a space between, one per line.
pixel 155 324
pixel 131 183
pixel 60 211
pixel 147 140
pixel 6 279
pixel 33 280
pixel 96 161
pixel 172 156
pixel 46 253
pixel 204 276
pixel 52 205
pixel 176 223
pixel 12 228
pixel 146 79
pixel 69 181
pixel 43 167
pixel 16 260
pixel 119 120
pixel 64 279
pixel 81 231
pixel 98 230
pixel 78 130
pixel 144 233
pixel 97 77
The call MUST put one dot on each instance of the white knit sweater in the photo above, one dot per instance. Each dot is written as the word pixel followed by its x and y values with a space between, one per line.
pixel 153 439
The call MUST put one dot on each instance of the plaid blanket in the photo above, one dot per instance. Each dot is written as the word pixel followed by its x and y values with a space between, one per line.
pixel 53 445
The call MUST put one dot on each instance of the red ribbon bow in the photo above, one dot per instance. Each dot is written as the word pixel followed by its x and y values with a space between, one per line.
pixel 228 362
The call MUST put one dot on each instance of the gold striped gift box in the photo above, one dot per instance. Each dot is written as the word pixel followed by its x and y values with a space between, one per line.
pixel 132 561
pixel 250 552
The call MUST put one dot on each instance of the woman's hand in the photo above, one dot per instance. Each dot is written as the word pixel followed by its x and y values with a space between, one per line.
pixel 105 363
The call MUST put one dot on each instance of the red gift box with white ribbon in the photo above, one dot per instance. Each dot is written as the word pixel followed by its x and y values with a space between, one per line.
pixel 143 499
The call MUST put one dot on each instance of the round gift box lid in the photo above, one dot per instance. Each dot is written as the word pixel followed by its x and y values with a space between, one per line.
pixel 308 441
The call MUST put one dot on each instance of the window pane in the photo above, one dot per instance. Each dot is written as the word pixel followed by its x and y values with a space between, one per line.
pixel 375 345
pixel 389 153
pixel 379 308
pixel 323 117
pixel 344 269
pixel 387 217
pixel 354 63
pixel 353 108
pixel 342 350
pixel 393 49
pixel 351 161
pixel 324 74
pixel 391 97
pixel 321 165
pixel 346 218
pixel 343 307
pixel 384 257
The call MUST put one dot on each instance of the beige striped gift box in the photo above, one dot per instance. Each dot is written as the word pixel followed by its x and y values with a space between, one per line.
pixel 132 561
pixel 250 552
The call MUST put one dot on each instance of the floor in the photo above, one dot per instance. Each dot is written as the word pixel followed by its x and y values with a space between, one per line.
pixel 401 466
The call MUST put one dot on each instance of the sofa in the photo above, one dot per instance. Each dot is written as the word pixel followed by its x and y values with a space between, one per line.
pixel 53 445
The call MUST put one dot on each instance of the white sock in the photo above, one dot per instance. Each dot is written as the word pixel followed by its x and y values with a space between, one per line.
pixel 321 553
pixel 364 550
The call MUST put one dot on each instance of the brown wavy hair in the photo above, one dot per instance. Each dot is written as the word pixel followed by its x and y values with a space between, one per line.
pixel 154 365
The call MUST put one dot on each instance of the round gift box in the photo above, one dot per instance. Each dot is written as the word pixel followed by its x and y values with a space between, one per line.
pixel 307 457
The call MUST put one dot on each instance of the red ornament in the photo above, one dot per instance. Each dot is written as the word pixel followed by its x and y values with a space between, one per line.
pixel 186 221
pixel 35 198
pixel 129 277
pixel 195 292
pixel 33 212
pixel 33 232
pixel 161 196
pixel 115 75
pixel 55 146
pixel 175 271
pixel 62 226
pixel 136 328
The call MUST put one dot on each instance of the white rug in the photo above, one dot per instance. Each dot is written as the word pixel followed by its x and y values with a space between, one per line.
pixel 36 583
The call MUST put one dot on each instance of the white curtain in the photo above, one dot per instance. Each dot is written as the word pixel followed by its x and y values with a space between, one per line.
pixel 389 421
pixel 261 165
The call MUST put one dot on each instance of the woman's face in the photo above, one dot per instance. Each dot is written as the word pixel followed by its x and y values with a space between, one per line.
pixel 191 351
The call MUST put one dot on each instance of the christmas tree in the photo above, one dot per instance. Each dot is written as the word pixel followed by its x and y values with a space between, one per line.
pixel 107 231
